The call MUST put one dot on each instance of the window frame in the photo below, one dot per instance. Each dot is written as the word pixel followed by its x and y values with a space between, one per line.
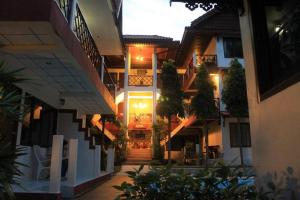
pixel 233 39
pixel 249 144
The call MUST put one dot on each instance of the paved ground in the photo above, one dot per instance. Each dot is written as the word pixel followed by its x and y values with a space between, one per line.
pixel 105 191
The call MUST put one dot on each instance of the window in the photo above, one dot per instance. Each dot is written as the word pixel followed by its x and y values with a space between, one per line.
pixel 276 31
pixel 233 48
pixel 240 140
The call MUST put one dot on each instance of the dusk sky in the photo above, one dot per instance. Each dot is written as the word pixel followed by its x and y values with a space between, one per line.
pixel 156 17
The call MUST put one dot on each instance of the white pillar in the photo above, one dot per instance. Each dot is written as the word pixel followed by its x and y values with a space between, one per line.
pixel 127 68
pixel 110 160
pixel 20 122
pixel 195 63
pixel 97 160
pixel 154 70
pixel 72 162
pixel 55 169
pixel 72 14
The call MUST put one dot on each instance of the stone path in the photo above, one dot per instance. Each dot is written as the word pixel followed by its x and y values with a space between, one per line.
pixel 105 191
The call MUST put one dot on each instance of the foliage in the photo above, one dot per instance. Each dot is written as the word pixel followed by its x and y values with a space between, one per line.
pixel 120 144
pixel 234 93
pixel 170 100
pixel 203 104
pixel 219 183
pixel 160 129
pixel 9 110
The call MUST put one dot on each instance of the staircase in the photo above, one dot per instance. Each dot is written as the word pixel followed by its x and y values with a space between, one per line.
pixel 138 156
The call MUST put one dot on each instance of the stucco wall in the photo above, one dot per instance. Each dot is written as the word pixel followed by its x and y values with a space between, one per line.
pixel 275 122
pixel 86 156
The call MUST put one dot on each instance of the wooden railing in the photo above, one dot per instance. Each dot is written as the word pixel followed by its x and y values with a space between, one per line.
pixel 140 80
pixel 209 60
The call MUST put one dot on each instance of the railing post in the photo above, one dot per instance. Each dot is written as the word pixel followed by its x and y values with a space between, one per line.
pixel 97 169
pixel 20 122
pixel 72 13
pixel 55 169
pixel 72 162
pixel 110 160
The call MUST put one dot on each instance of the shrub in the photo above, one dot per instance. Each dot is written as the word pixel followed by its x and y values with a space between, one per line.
pixel 218 183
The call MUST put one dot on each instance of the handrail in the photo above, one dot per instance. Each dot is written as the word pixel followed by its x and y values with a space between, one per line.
pixel 109 82
pixel 64 5
pixel 140 80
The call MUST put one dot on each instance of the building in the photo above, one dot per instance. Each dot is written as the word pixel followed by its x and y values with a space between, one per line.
pixel 139 88
pixel 63 47
pixel 270 31
pixel 213 39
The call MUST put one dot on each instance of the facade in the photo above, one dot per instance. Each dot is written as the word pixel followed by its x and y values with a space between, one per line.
pixel 270 41
pixel 214 39
pixel 139 88
pixel 63 48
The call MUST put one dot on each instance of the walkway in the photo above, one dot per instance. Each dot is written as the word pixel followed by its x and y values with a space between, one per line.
pixel 105 191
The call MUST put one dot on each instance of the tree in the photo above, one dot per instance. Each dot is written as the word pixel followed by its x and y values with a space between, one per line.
pixel 170 101
pixel 234 95
pixel 203 104
pixel 9 111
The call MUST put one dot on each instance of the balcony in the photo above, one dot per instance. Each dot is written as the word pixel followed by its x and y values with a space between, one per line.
pixel 140 80
pixel 61 54
pixel 209 60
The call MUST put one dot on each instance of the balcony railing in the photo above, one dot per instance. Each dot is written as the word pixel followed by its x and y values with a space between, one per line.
pixel 209 60
pixel 87 42
pixel 140 80
pixel 64 5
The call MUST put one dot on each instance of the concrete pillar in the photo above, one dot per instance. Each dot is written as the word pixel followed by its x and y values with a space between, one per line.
pixel 195 63
pixel 55 168
pixel 110 160
pixel 154 70
pixel 72 13
pixel 72 162
pixel 127 68
pixel 20 122
pixel 97 160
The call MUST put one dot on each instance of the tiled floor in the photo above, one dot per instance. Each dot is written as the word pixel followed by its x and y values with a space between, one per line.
pixel 105 191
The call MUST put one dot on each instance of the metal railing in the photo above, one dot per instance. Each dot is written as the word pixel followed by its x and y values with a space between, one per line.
pixel 140 80
pixel 87 42
pixel 209 60
pixel 84 36
pixel 109 82
pixel 64 5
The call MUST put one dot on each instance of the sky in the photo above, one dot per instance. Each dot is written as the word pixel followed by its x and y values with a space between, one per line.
pixel 156 17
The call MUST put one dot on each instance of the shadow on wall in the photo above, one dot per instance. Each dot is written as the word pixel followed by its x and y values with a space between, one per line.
pixel 284 185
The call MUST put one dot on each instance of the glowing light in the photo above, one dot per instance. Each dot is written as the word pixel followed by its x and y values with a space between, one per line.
pixel 140 105
pixel 139 58
pixel 120 98
pixel 277 28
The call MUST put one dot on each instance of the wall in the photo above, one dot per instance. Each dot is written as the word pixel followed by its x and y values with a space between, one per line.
pixel 275 122
pixel 232 155
pixel 222 61
pixel 86 156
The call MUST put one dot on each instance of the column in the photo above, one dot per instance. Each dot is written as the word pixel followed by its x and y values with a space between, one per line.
pixel 72 13
pixel 20 122
pixel 154 70
pixel 55 168
pixel 127 68
pixel 72 162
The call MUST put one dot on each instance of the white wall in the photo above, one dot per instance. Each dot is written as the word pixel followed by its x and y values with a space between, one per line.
pixel 222 61
pixel 232 154
pixel 275 122
pixel 86 156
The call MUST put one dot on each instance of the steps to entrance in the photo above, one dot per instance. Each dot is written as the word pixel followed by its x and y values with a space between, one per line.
pixel 139 156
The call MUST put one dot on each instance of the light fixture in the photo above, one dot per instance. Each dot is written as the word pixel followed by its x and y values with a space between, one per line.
pixel 139 58
pixel 140 105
